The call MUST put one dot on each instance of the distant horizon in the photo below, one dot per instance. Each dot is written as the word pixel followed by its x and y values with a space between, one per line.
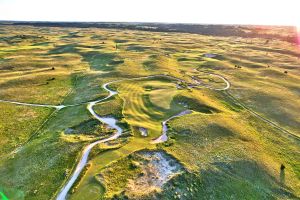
pixel 141 22
pixel 229 12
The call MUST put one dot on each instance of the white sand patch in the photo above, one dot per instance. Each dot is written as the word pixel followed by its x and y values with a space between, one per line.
pixel 157 169
pixel 209 55
pixel 143 131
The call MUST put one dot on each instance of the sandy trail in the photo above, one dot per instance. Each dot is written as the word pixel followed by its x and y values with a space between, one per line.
pixel 110 121
pixel 111 93
pixel 198 83
pixel 58 107
pixel 164 136
pixel 224 79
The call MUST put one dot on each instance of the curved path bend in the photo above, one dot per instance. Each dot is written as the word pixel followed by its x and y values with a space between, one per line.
pixel 111 93
pixel 198 83
pixel 224 79
pixel 164 137
pixel 110 121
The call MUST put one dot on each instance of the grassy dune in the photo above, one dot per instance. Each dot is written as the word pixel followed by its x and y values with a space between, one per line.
pixel 225 151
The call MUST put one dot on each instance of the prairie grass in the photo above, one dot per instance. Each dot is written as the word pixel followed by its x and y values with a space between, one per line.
pixel 225 151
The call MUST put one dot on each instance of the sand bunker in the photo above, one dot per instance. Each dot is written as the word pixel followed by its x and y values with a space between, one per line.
pixel 157 169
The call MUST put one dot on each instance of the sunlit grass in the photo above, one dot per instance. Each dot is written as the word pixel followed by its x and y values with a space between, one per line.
pixel 219 141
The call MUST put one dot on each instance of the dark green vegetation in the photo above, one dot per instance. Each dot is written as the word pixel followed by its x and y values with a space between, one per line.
pixel 221 150
pixel 99 61
pixel 86 127
pixel 195 105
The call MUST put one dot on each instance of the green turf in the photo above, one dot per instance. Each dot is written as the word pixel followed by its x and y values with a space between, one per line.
pixel 226 151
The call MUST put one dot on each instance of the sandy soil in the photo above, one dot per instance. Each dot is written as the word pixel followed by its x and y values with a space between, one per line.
pixel 157 169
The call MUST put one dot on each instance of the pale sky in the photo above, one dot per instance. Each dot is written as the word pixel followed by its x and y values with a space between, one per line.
pixel 273 12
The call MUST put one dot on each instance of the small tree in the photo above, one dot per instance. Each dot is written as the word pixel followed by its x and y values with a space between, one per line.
pixel 267 41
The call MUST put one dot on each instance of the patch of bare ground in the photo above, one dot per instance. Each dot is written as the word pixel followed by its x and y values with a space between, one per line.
pixel 157 168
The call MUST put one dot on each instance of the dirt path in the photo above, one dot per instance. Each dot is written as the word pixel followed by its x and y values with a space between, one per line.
pixel 224 79
pixel 198 83
pixel 58 107
pixel 164 137
pixel 89 104
pixel 110 121
pixel 294 136
pixel 111 93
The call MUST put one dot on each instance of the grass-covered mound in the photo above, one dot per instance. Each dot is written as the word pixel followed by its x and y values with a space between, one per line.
pixel 194 104
pixel 139 175
pixel 227 151
pixel 242 179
